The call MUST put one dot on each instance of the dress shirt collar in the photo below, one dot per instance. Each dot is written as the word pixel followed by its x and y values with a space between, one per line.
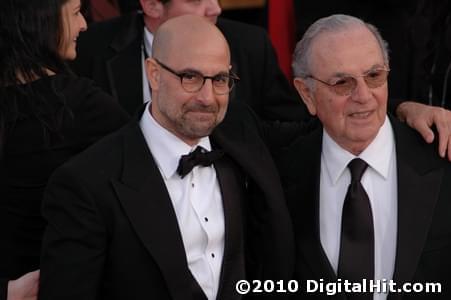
pixel 377 155
pixel 166 148
pixel 148 41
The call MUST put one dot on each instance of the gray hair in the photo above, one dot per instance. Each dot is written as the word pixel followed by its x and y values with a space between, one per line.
pixel 333 23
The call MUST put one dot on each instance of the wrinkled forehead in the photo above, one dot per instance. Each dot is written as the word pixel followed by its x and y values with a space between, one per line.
pixel 352 50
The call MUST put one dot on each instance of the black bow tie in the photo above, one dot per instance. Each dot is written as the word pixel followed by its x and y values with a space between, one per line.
pixel 197 157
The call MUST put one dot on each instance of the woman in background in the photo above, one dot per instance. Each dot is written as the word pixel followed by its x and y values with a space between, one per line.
pixel 47 115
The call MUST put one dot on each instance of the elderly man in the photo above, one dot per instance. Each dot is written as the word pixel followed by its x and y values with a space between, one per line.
pixel 150 212
pixel 369 199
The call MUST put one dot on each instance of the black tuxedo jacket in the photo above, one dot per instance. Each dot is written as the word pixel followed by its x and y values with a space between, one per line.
pixel 110 53
pixel 113 234
pixel 424 213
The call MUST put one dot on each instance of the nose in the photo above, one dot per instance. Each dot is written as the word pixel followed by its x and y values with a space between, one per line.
pixel 362 93
pixel 83 24
pixel 206 94
pixel 213 9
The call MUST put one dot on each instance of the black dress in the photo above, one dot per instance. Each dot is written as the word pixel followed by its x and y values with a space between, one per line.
pixel 31 153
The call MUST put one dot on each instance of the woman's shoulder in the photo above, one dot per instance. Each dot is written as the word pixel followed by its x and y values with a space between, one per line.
pixel 55 86
pixel 72 85
pixel 67 93
pixel 81 93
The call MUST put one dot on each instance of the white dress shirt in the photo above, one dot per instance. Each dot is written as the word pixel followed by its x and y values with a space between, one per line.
pixel 197 202
pixel 380 183
pixel 146 48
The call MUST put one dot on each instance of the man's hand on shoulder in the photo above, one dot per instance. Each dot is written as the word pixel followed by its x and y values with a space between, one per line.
pixel 24 288
pixel 422 117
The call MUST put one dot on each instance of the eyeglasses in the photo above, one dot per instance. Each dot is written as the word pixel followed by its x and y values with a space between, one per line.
pixel 344 86
pixel 193 81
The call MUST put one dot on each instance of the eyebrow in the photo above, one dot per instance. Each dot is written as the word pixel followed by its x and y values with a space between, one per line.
pixel 375 67
pixel 342 74
pixel 189 70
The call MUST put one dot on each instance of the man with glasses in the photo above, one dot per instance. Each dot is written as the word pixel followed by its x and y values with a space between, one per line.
pixel 112 53
pixel 369 199
pixel 167 207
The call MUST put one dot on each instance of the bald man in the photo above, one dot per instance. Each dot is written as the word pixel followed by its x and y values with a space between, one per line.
pixel 167 207
pixel 112 53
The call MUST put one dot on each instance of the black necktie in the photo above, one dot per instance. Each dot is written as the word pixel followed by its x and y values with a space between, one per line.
pixel 198 157
pixel 356 260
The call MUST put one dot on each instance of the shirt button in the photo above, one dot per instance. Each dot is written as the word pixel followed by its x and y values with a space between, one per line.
pixel 192 184
pixel 206 219
pixel 213 255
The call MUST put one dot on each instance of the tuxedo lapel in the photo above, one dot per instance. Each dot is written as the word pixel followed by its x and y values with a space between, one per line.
pixel 302 189
pixel 146 202
pixel 240 140
pixel 419 180
pixel 233 261
pixel 246 148
pixel 124 69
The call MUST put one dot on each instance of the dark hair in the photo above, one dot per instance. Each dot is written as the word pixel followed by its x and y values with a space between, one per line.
pixel 31 32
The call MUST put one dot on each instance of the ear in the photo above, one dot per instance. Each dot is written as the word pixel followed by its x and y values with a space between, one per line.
pixel 152 8
pixel 153 73
pixel 306 94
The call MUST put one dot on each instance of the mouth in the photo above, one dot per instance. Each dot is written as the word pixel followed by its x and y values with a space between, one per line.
pixel 202 109
pixel 361 115
pixel 201 112
pixel 202 115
